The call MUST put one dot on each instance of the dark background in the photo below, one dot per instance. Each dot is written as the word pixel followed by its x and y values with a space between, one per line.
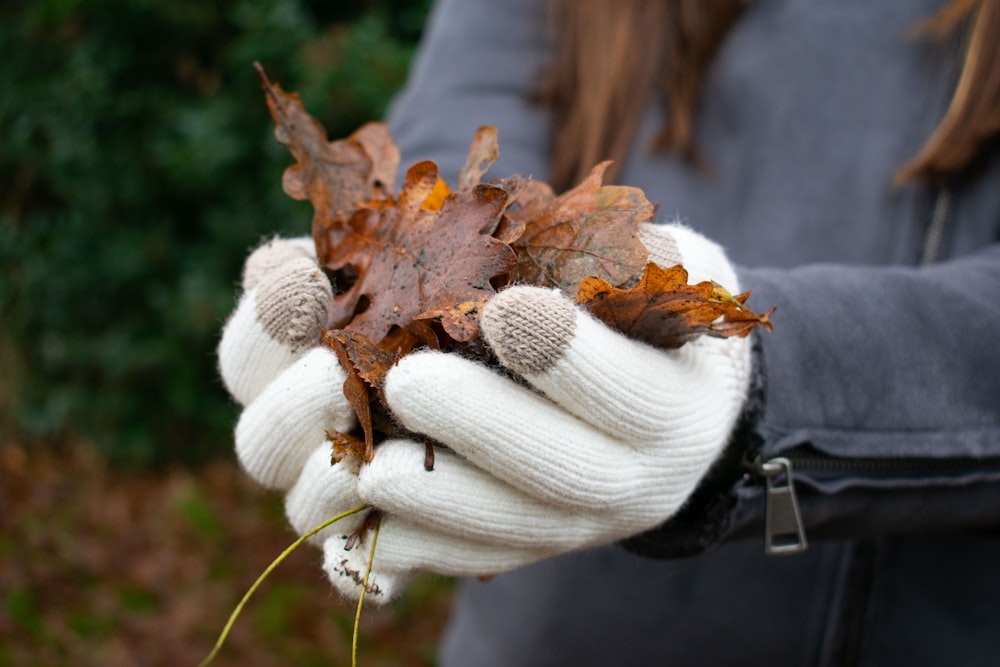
pixel 137 169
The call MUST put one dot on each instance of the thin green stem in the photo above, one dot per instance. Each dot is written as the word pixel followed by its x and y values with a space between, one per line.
pixel 277 561
pixel 361 598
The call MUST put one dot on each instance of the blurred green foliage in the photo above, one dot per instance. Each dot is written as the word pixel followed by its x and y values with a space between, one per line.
pixel 137 167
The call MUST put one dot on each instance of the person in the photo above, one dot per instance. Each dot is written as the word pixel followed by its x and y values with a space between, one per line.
pixel 828 493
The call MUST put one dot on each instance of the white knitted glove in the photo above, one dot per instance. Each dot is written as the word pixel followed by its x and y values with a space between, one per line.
pixel 292 390
pixel 612 440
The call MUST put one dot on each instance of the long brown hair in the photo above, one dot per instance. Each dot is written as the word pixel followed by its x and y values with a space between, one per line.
pixel 598 95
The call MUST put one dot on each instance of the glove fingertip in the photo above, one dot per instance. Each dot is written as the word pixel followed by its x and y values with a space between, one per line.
pixel 294 302
pixel 703 258
pixel 661 244
pixel 529 328
pixel 272 254
pixel 346 571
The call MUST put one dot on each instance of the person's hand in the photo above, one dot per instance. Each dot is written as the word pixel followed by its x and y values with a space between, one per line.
pixel 292 389
pixel 592 438
pixel 611 442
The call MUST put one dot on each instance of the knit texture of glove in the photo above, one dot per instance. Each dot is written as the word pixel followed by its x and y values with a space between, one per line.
pixel 604 438
pixel 292 390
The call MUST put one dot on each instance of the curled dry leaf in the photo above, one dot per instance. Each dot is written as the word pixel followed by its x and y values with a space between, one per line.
pixel 366 365
pixel 483 152
pixel 591 230
pixel 665 311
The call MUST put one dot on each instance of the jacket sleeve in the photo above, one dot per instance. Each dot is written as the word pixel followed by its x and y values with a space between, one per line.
pixel 478 64
pixel 883 393
pixel 881 385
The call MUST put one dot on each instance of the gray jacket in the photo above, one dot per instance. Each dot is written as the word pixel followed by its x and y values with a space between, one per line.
pixel 882 374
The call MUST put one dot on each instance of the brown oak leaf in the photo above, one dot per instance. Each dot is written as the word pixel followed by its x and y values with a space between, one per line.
pixel 590 230
pixel 665 311
pixel 336 176
pixel 413 263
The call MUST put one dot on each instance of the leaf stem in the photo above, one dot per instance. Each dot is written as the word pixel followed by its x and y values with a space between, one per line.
pixel 364 588
pixel 277 561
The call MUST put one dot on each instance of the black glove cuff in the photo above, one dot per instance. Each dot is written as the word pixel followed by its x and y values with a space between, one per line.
pixel 704 519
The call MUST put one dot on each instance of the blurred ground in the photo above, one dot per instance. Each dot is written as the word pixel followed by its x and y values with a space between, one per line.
pixel 99 567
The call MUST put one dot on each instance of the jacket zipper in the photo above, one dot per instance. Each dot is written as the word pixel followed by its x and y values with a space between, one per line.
pixel 784 533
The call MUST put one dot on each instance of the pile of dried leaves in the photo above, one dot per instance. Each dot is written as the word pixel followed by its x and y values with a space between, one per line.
pixel 415 268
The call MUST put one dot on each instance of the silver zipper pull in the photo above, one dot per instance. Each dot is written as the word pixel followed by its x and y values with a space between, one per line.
pixel 783 531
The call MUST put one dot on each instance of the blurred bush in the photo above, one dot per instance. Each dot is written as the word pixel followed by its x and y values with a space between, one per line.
pixel 137 167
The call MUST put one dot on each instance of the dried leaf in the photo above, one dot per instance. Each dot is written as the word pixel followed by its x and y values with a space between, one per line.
pixel 402 341
pixel 665 311
pixel 528 200
pixel 335 176
pixel 416 264
pixel 589 231
pixel 367 366
pixel 483 152
pixel 435 200
pixel 384 155
pixel 416 268
pixel 346 446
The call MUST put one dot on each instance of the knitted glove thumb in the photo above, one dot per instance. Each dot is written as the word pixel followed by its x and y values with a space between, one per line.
pixel 286 299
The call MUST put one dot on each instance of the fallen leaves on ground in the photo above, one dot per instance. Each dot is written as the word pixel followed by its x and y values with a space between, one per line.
pixel 103 567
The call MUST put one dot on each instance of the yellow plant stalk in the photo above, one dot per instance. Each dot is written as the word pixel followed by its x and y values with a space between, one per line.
pixel 277 561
